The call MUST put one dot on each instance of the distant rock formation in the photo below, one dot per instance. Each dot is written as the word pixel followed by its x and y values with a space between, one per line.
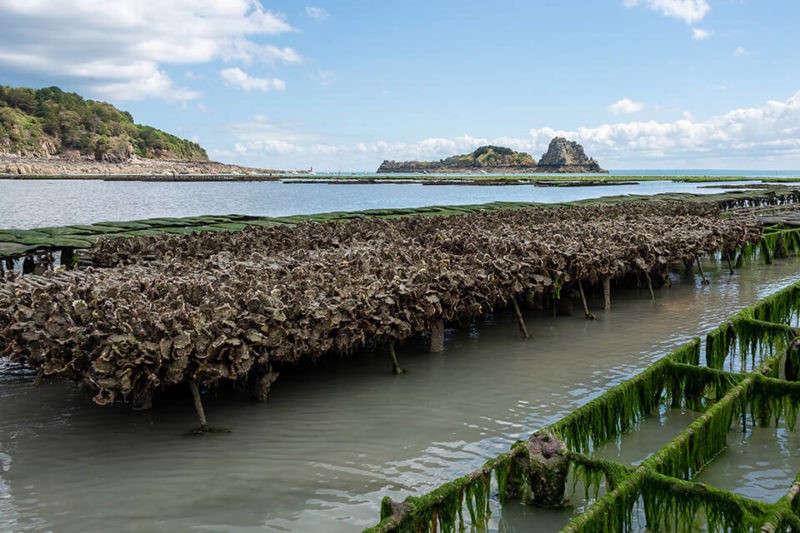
pixel 488 159
pixel 562 156
pixel 565 156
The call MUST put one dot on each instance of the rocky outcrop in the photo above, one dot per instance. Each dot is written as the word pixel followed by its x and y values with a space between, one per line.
pixel 486 159
pixel 73 164
pixel 565 156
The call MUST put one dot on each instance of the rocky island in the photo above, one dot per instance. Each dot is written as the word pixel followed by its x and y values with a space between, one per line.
pixel 562 156
pixel 565 156
pixel 51 132
pixel 486 158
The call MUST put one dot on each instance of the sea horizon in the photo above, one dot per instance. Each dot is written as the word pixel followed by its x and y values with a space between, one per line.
pixel 667 172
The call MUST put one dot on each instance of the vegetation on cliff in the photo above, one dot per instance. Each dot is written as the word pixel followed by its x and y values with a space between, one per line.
pixel 49 121
pixel 484 158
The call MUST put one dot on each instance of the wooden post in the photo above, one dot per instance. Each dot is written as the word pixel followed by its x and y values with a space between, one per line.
pixel 437 337
pixel 520 321
pixel 263 383
pixel 728 259
pixel 142 399
pixel 68 258
pixel 688 268
pixel 198 406
pixel 705 281
pixel 649 285
pixel 396 368
pixel 607 294
pixel 740 258
pixel 586 312
pixel 28 265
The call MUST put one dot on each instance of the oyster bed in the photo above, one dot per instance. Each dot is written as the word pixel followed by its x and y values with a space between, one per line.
pixel 38 245
pixel 216 307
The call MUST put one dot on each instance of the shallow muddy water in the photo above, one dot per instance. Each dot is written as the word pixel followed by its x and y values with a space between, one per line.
pixel 330 442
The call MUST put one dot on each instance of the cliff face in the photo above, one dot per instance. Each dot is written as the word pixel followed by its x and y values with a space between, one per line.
pixel 48 122
pixel 565 156
pixel 562 156
pixel 492 159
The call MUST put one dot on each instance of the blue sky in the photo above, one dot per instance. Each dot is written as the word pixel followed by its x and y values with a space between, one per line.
pixel 346 84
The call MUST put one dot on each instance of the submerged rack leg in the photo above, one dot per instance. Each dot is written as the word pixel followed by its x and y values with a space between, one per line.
pixel 649 285
pixel 437 337
pixel 396 368
pixel 263 383
pixel 198 406
pixel 607 294
pixel 520 321
pixel 740 258
pixel 586 312
pixel 744 421
pixel 700 268
pixel 28 265
pixel 728 259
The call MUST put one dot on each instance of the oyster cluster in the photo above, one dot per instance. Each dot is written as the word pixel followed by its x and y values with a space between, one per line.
pixel 162 310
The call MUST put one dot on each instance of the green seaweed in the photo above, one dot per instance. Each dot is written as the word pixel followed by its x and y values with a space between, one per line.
pixel 696 388
pixel 622 406
pixel 773 399
pixel 718 344
pixel 612 512
pixel 593 473
pixel 674 505
pixel 661 483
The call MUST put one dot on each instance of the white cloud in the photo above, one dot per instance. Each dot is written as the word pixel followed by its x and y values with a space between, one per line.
pixel 120 49
pixel 690 11
pixel 741 138
pixel 316 13
pixel 625 106
pixel 742 51
pixel 770 130
pixel 239 78
pixel 700 35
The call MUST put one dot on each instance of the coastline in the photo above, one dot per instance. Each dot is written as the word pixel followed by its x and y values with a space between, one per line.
pixel 74 167
pixel 135 168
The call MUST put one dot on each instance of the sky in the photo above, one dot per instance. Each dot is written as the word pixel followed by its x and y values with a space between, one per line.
pixel 341 86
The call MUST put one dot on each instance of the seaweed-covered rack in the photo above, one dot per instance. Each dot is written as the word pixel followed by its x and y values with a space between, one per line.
pixel 761 339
